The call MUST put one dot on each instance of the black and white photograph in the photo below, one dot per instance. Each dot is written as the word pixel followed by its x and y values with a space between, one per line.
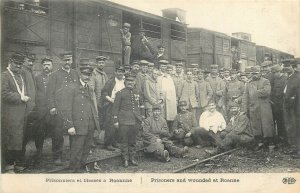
pixel 94 87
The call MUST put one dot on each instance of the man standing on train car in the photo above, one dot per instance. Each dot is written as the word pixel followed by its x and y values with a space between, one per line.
pixel 126 40
pixel 58 96
pixel 158 55
pixel 108 95
pixel 43 123
pixel 127 119
pixel 82 119
pixel 256 103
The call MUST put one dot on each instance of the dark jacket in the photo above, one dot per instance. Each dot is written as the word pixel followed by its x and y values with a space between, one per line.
pixel 291 98
pixel 277 90
pixel 31 89
pixel 41 80
pixel 127 107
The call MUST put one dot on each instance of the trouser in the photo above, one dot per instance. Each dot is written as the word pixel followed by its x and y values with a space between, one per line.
pixel 80 146
pixel 278 118
pixel 290 120
pixel 13 156
pixel 172 149
pixel 128 135
pixel 127 52
pixel 57 135
pixel 180 135
pixel 203 137
pixel 41 130
pixel 111 132
pixel 232 139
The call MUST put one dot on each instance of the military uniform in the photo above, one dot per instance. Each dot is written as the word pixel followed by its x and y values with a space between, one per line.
pixel 153 93
pixel 190 93
pixel 127 113
pixel 59 96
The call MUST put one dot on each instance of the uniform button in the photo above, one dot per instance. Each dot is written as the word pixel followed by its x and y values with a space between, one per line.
pixel 80 119
pixel 82 111
pixel 81 104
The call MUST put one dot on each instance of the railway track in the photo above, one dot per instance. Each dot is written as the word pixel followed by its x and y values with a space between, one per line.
pixel 177 167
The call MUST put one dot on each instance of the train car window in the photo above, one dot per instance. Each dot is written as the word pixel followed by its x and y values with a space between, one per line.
pixel 33 6
pixel 152 27
pixel 178 32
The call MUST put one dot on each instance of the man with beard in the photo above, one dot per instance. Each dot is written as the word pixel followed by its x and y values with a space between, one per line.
pixel 14 100
pixel 82 119
pixel 108 95
pixel 58 96
pixel 158 55
pixel 43 123
pixel 266 71
pixel 178 79
pixel 156 137
pixel 190 93
pixel 276 97
pixel 127 119
pixel 126 37
pixel 135 67
pixel 256 102
pixel 237 133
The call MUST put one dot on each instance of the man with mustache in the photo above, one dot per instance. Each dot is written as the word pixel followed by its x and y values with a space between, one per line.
pixel 43 123
pixel 58 96
pixel 14 103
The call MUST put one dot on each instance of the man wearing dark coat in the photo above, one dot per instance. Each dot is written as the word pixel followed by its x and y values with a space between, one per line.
pixel 111 87
pixel 58 98
pixel 127 118
pixel 14 107
pixel 82 119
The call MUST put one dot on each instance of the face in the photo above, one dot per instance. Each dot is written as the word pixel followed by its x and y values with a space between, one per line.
pixel 277 74
pixel 265 70
pixel 15 67
pixel 85 77
pixel 163 68
pixel 211 107
pixel 226 74
pixel 28 63
pixel 214 73
pixel 221 74
pixel 68 63
pixel 129 83
pixel 150 68
pixel 249 75
pixel 182 108
pixel 200 75
pixel 233 76
pixel 144 69
pixel 135 68
pixel 155 74
pixel 244 78
pixel 125 30
pixel 141 34
pixel 47 67
pixel 256 76
pixel 100 64
pixel 234 110
pixel 156 113
pixel 170 71
pixel 119 74
pixel 189 75
pixel 161 50
pixel 178 69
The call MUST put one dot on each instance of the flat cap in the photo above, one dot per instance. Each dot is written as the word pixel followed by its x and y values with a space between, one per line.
pixel 195 65
pixel 233 104
pixel 160 46
pixel 156 107
pixel 144 63
pixel 127 25
pixel 163 62
pixel 101 58
pixel 135 62
pixel 226 69
pixel 276 68
pixel 179 64
pixel 66 56
pixel 46 59
pixel 169 67
pixel 84 61
pixel 130 77
pixel 17 58
pixel 214 66
pixel 233 71
pixel 120 68
pixel 30 56
pixel 86 69
pixel 182 103
pixel 255 69
pixel 248 70
pixel 266 63
pixel 151 64
pixel 127 67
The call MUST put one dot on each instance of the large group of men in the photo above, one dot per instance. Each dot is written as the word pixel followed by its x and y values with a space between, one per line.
pixel 166 106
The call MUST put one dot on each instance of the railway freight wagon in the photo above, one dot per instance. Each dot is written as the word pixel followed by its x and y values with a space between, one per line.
pixel 264 53
pixel 206 47
pixel 86 28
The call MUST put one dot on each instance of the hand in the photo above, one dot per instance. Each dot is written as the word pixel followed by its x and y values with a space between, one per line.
pixel 158 140
pixel 53 111
pixel 72 131
pixel 236 100
pixel 25 98
pixel 188 134
pixel 116 125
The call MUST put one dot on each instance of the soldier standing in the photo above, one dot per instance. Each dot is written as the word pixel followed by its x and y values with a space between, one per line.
pixel 127 118
pixel 126 37
pixel 58 95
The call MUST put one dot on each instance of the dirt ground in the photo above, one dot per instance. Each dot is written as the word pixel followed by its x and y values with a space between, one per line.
pixel 240 161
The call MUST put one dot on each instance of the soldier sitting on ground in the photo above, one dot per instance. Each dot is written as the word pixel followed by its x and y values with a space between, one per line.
pixel 156 137
pixel 237 133
pixel 183 124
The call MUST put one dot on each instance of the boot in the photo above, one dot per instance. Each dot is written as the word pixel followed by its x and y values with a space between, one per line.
pixel 166 156
pixel 125 164
pixel 58 162
pixel 134 162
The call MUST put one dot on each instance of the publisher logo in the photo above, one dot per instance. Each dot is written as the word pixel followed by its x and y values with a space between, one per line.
pixel 289 180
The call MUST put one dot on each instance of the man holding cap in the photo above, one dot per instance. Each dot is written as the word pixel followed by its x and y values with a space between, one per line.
pixel 256 103
pixel 126 40
pixel 127 119
pixel 58 96
pixel 82 119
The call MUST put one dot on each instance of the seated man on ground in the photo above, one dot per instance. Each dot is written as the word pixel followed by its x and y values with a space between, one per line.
pixel 183 125
pixel 237 133
pixel 211 124
pixel 156 137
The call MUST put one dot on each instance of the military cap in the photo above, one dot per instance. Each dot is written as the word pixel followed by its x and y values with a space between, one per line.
pixel 169 67
pixel 221 69
pixel 233 104
pixel 255 69
pixel 127 67
pixel 189 70
pixel 17 58
pixel 266 63
pixel 276 68
pixel 200 71
pixel 84 61
pixel 46 59
pixel 163 62
pixel 233 71
pixel 195 65
pixel 101 58
pixel 156 107
pixel 130 77
pixel 144 63
pixel 214 66
pixel 120 68
pixel 86 69
pixel 127 25
pixel 160 46
pixel 226 69
pixel 150 64
pixel 135 62
pixel 248 70
pixel 242 74
pixel 182 103
pixel 179 64
pixel 30 56
pixel 206 71
pixel 66 56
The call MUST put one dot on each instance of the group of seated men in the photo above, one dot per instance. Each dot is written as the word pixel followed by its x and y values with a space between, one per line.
pixel 168 108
